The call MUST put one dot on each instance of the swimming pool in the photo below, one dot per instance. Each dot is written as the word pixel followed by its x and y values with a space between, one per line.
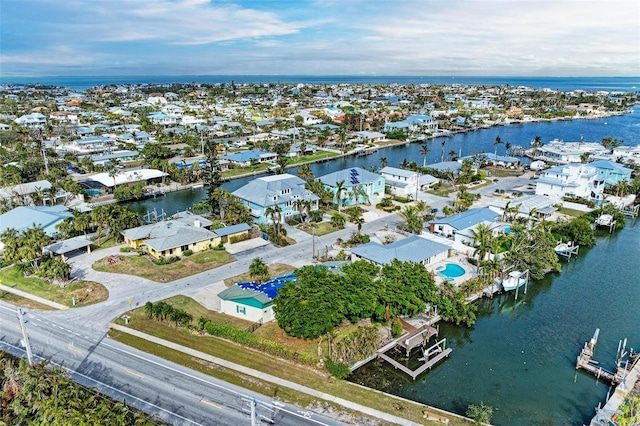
pixel 450 270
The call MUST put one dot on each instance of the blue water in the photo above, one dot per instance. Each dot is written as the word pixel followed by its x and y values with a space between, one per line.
pixel 611 84
pixel 451 270
pixel 625 127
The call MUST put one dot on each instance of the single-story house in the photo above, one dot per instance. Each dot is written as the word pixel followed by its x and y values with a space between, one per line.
pixel 371 184
pixel 245 158
pixel 173 236
pixel 281 191
pixel 240 231
pixel 24 217
pixel 367 136
pixel 23 191
pixel 128 176
pixel 410 249
pixel 490 157
pixel 252 301
pixel 114 157
pixel 458 226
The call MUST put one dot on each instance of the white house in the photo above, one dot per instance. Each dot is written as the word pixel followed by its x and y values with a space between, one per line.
pixel 571 180
pixel 410 249
pixel 401 181
pixel 32 120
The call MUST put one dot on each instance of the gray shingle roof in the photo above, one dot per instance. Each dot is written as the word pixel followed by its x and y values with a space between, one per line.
pixel 261 191
pixel 170 234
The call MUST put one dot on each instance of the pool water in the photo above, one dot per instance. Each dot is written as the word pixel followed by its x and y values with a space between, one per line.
pixel 451 270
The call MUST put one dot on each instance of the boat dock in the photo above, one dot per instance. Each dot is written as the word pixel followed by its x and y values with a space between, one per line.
pixel 415 337
pixel 586 362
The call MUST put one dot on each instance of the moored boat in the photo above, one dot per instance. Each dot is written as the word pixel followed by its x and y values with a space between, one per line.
pixel 515 280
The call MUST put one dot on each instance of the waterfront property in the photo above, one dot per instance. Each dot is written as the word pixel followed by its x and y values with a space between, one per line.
pixel 106 182
pixel 612 173
pixel 458 227
pixel 402 182
pixel 246 158
pixel 277 194
pixel 23 217
pixel 560 152
pixel 410 249
pixel 371 185
pixel 571 180
pixel 173 236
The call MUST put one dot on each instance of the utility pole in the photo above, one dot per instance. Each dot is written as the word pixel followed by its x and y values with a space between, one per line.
pixel 313 243
pixel 25 337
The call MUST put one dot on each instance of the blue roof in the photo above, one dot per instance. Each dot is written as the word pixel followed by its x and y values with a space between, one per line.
pixel 610 165
pixel 233 229
pixel 469 218
pixel 24 217
pixel 270 288
pixel 245 155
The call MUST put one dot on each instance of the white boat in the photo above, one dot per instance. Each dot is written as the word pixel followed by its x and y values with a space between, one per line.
pixel 564 247
pixel 604 220
pixel 514 280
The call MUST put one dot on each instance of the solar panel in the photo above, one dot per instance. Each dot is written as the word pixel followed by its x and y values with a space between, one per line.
pixel 355 172
pixel 354 180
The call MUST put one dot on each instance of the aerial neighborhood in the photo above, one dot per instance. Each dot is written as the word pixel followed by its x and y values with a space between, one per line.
pixel 226 216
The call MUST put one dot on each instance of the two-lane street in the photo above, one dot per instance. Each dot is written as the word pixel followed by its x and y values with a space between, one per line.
pixel 174 393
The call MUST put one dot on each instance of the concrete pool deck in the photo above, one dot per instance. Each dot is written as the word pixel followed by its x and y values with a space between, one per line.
pixel 470 271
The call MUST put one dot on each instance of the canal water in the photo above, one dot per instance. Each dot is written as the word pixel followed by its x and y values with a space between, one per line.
pixel 520 356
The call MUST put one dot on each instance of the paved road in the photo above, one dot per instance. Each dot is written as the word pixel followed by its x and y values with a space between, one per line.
pixel 140 290
pixel 174 393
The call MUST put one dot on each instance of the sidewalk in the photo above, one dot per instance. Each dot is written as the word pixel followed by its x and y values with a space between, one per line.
pixel 33 297
pixel 267 377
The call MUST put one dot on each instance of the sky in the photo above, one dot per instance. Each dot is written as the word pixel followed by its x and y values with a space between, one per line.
pixel 320 37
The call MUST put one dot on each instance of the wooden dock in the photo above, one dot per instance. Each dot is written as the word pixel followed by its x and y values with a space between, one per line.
pixel 585 362
pixel 417 336
pixel 424 367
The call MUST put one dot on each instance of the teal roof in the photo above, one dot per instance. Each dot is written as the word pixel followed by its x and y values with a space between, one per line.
pixel 244 296
pixel 24 217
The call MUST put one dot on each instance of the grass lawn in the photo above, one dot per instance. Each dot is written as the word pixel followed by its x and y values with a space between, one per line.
pixel 142 266
pixel 319 155
pixel 104 243
pixel 85 292
pixel 275 270
pixel 571 212
pixel 322 228
pixel 23 302
pixel 256 168
pixel 443 191
pixel 502 172
pixel 254 359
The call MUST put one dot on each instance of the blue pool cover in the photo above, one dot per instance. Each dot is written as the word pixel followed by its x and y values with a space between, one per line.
pixel 270 288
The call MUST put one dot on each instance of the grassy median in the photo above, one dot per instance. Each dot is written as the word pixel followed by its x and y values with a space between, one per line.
pixel 304 375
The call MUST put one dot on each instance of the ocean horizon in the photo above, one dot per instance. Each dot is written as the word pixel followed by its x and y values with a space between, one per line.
pixel 564 84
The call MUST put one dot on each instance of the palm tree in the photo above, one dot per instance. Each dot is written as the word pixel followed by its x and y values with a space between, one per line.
pixel 452 155
pixel 338 220
pixel 424 150
pixel 340 190
pixel 274 214
pixel 584 157
pixel 383 162
pixel 507 147
pixel 482 240
pixel 305 173
pixel 442 150
pixel 258 269
pixel 537 142
pixel 412 218
pixel 282 162
pixel 495 144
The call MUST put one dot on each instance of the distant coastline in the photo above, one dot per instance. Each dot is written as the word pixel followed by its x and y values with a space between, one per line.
pixel 610 84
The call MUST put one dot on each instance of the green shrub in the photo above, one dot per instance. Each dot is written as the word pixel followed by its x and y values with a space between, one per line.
pixel 188 252
pixel 339 370
pixel 237 238
pixel 316 215
pixel 396 328
pixel 126 249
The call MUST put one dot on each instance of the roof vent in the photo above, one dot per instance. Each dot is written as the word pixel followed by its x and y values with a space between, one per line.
pixel 196 223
